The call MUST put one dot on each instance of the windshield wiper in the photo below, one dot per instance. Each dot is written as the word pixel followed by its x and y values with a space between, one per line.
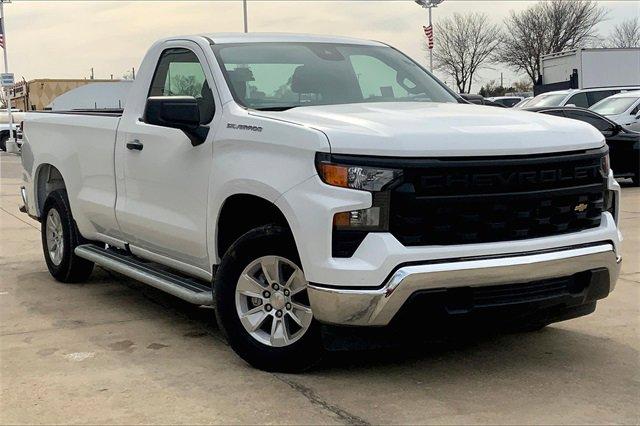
pixel 276 108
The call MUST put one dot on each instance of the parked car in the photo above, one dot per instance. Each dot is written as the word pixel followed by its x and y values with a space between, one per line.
pixel 6 127
pixel 623 108
pixel 523 103
pixel 583 98
pixel 507 101
pixel 479 100
pixel 624 145
pixel 300 182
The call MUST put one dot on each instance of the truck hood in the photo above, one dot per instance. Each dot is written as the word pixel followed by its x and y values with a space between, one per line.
pixel 417 129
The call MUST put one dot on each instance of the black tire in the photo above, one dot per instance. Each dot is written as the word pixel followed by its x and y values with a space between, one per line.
pixel 71 268
pixel 3 142
pixel 636 179
pixel 259 242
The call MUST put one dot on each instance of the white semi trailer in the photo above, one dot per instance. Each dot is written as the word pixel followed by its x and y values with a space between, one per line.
pixel 589 68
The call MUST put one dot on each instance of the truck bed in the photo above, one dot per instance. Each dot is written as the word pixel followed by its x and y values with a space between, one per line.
pixel 109 112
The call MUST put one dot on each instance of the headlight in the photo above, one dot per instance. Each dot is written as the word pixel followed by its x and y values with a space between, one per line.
pixel 364 178
pixel 351 227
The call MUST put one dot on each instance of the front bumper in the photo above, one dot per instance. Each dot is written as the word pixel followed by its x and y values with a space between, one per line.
pixel 378 306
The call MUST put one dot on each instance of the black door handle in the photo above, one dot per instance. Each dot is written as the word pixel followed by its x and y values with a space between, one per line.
pixel 135 144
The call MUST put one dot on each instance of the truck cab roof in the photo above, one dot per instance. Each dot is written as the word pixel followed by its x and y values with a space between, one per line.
pixel 226 38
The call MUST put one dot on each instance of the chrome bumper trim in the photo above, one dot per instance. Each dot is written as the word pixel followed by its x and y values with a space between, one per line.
pixel 378 307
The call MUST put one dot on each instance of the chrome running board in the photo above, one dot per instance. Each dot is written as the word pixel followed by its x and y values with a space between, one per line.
pixel 182 287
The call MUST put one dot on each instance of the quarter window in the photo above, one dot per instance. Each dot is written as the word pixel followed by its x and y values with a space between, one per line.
pixel 179 73
pixel 595 97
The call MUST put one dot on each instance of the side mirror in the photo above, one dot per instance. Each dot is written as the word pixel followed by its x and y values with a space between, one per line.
pixel 177 112
pixel 615 129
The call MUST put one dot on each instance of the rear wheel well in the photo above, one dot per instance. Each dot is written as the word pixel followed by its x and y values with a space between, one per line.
pixel 48 179
pixel 241 213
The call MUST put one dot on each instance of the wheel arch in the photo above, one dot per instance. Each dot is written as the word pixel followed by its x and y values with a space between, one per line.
pixel 47 179
pixel 237 217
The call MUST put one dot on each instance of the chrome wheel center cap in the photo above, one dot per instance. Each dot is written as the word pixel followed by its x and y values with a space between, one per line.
pixel 278 300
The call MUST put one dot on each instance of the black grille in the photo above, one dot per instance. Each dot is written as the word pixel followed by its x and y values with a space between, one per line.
pixel 528 292
pixel 461 201
pixel 579 288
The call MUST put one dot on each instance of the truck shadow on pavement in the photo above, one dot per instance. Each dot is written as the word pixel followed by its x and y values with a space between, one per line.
pixel 463 353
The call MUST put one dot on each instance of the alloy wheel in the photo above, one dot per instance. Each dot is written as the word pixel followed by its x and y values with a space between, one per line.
pixel 272 301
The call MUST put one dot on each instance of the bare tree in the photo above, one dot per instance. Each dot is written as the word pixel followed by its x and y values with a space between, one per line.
pixel 523 86
pixel 547 27
pixel 464 43
pixel 626 34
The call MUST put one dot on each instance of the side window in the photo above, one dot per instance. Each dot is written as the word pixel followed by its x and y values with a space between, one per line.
pixel 179 73
pixel 635 110
pixel 579 100
pixel 595 97
pixel 594 120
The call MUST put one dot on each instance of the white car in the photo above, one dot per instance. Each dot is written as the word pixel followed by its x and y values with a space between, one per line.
pixel 297 182
pixel 623 108
pixel 583 98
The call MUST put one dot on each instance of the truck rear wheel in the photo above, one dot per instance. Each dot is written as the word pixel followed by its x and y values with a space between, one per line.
pixel 3 142
pixel 262 302
pixel 60 237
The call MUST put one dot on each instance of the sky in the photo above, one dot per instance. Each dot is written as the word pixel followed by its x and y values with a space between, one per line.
pixel 65 39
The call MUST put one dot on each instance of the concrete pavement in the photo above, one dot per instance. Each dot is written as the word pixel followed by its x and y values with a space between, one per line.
pixel 115 351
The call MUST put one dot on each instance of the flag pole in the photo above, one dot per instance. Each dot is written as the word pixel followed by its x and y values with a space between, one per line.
pixel 6 70
pixel 430 50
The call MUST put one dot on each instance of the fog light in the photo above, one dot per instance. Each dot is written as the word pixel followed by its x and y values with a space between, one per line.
pixel 358 219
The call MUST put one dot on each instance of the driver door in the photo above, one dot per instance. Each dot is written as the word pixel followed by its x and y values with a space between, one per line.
pixel 164 180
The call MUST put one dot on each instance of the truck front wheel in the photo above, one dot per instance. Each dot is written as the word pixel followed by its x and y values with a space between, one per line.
pixel 60 237
pixel 262 302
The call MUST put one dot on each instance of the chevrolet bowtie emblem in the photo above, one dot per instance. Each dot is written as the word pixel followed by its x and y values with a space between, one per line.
pixel 580 207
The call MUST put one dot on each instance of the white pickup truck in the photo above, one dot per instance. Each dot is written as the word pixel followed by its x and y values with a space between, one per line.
pixel 296 182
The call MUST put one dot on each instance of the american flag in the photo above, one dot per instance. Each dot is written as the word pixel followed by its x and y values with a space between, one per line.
pixel 428 31
pixel 1 33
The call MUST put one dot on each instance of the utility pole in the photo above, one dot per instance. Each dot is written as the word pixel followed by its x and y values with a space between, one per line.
pixel 3 27
pixel 501 80
pixel 133 73
pixel 91 73
pixel 429 4
pixel 244 11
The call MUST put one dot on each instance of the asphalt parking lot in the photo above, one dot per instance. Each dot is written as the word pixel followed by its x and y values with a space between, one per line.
pixel 115 351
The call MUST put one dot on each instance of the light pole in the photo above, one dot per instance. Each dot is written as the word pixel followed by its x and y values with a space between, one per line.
pixel 244 11
pixel 429 4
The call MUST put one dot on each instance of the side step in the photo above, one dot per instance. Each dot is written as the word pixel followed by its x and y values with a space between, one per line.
pixel 185 288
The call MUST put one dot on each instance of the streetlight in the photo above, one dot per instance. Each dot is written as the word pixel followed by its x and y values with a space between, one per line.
pixel 244 11
pixel 428 4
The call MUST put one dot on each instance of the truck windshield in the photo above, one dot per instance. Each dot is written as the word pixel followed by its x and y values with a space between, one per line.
pixel 279 76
